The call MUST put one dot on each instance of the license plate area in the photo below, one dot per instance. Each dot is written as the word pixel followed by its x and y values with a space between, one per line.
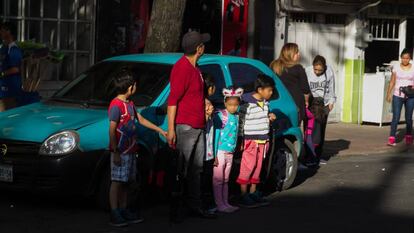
pixel 6 173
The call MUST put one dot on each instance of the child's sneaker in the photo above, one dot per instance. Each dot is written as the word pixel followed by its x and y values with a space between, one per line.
pixel 212 210
pixel 232 208
pixel 131 217
pixel 391 141
pixel 408 139
pixel 117 220
pixel 247 202
pixel 257 197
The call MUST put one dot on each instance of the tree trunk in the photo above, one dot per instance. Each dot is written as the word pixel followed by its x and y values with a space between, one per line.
pixel 165 26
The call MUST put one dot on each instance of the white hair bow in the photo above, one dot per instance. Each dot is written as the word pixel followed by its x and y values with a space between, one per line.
pixel 232 92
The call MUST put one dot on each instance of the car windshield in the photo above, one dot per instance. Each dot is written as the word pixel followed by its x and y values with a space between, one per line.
pixel 96 86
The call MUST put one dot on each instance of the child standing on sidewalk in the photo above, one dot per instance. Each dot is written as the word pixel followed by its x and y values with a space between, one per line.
pixel 123 147
pixel 226 124
pixel 255 125
pixel 207 189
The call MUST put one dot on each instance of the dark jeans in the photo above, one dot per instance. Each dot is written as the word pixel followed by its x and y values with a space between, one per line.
pixel 207 185
pixel 397 103
pixel 191 146
pixel 319 132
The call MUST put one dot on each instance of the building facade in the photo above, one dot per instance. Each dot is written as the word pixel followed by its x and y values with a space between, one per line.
pixel 355 38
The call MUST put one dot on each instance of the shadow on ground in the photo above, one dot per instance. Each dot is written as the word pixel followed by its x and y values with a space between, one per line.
pixel 333 147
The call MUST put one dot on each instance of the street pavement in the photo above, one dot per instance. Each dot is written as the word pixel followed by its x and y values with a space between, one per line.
pixel 366 191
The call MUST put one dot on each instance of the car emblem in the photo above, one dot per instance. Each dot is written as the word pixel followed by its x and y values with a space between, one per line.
pixel 3 149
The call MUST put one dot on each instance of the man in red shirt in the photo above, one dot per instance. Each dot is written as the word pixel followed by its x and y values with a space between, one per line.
pixel 186 117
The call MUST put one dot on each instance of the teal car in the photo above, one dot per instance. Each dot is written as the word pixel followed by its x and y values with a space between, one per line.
pixel 61 144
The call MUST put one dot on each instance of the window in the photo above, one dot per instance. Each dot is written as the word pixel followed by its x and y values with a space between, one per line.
pixel 96 86
pixel 217 73
pixel 244 76
pixel 64 25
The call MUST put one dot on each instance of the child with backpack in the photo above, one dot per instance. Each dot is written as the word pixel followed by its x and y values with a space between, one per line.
pixel 207 189
pixel 226 123
pixel 255 127
pixel 123 148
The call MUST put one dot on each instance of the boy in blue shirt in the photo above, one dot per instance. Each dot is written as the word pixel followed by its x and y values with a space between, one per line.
pixel 11 59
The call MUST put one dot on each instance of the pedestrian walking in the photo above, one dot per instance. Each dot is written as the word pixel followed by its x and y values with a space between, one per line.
pixel 186 118
pixel 293 76
pixel 400 92
pixel 226 124
pixel 321 80
pixel 11 60
pixel 255 126
pixel 123 146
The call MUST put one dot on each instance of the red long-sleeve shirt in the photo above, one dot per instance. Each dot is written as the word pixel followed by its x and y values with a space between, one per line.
pixel 187 93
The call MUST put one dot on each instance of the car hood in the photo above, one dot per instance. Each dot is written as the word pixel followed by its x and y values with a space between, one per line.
pixel 38 121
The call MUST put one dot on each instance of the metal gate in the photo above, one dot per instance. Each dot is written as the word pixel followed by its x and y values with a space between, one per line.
pixel 326 40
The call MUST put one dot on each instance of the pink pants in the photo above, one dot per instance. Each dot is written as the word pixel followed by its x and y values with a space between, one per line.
pixel 221 173
pixel 251 164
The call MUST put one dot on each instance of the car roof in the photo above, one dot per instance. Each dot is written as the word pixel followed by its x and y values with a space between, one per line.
pixel 172 58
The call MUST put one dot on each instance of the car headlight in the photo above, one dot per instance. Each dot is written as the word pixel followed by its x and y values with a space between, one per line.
pixel 59 144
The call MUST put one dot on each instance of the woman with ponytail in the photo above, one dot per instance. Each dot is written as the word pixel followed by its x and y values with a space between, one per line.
pixel 293 76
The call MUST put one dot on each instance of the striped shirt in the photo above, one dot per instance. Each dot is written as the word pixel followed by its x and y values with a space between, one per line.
pixel 254 119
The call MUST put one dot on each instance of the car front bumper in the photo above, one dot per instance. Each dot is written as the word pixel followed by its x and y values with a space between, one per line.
pixel 71 174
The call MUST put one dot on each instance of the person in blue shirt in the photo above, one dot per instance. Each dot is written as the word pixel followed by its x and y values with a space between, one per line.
pixel 11 59
pixel 226 124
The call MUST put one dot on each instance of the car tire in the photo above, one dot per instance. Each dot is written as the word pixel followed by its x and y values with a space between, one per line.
pixel 283 147
pixel 291 164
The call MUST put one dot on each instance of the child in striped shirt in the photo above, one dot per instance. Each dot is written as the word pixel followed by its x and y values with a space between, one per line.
pixel 255 126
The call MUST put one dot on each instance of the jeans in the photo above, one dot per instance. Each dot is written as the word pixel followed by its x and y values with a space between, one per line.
pixel 397 103
pixel 319 132
pixel 191 148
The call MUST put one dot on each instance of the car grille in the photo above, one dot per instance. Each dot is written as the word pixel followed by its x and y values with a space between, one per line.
pixel 20 148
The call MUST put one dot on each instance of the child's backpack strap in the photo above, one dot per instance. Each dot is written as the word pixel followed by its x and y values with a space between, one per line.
pixel 224 117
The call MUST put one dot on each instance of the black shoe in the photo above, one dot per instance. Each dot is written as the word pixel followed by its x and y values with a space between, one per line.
pixel 247 202
pixel 117 220
pixel 131 217
pixel 258 198
pixel 204 214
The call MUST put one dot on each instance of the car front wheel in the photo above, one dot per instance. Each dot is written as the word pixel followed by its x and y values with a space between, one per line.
pixel 282 166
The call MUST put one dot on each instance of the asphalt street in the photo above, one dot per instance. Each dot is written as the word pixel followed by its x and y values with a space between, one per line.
pixel 366 194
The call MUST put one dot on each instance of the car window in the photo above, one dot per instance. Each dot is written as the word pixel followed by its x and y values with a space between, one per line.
pixel 217 73
pixel 97 84
pixel 244 75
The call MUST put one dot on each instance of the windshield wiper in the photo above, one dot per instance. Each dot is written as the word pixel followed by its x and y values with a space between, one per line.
pixel 60 99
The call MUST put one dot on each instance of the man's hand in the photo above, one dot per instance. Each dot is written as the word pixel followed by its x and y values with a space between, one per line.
pixel 117 158
pixel 164 133
pixel 272 117
pixel 216 162
pixel 330 106
pixel 171 138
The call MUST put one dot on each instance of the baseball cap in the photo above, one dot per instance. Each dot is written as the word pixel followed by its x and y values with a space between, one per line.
pixel 193 39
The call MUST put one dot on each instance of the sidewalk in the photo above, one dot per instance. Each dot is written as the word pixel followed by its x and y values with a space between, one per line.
pixel 352 139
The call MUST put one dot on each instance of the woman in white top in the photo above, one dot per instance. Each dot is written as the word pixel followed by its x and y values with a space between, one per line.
pixel 402 76
pixel 321 80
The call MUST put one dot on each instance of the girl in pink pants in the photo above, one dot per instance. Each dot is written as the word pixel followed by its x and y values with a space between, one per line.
pixel 226 123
